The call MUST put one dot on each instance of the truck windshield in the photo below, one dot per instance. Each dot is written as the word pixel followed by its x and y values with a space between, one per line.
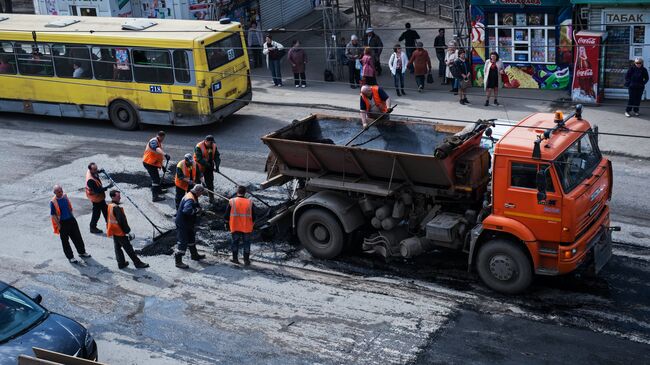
pixel 578 162
pixel 223 51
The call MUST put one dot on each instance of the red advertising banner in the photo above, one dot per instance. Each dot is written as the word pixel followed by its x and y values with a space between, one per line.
pixel 585 78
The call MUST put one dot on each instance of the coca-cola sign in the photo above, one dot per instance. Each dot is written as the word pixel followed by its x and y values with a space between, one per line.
pixel 587 41
pixel 585 77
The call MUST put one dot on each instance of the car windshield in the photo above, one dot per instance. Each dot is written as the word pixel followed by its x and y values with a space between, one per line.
pixel 578 162
pixel 17 313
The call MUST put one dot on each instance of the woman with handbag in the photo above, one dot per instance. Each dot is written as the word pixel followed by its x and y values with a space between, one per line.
pixel 463 80
pixel 491 71
pixel 274 52
pixel 368 67
pixel 450 56
pixel 397 64
pixel 422 64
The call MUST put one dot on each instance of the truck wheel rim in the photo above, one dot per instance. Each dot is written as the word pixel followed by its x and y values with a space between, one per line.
pixel 502 267
pixel 320 234
pixel 123 115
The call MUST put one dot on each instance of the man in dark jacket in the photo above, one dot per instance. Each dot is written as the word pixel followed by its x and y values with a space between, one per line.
pixel 118 227
pixel 376 45
pixel 441 46
pixel 186 218
pixel 96 193
pixel 208 159
pixel 409 36
pixel 635 80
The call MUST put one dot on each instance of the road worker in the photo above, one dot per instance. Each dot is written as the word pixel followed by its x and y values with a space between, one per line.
pixel 186 177
pixel 96 193
pixel 152 161
pixel 208 159
pixel 118 227
pixel 240 219
pixel 65 225
pixel 186 218
pixel 374 103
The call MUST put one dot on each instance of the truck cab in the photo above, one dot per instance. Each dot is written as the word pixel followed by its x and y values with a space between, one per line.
pixel 550 196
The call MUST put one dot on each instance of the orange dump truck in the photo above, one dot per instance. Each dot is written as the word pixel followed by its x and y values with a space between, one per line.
pixel 538 205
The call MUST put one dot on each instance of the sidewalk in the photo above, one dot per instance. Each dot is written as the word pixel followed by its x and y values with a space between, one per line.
pixel 436 101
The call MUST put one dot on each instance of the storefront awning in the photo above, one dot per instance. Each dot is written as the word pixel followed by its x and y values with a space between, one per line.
pixel 607 2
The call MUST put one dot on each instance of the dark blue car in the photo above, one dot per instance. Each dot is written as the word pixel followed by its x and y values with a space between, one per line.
pixel 24 324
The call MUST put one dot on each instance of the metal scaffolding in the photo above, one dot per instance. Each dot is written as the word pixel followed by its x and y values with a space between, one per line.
pixel 362 16
pixel 460 19
pixel 332 36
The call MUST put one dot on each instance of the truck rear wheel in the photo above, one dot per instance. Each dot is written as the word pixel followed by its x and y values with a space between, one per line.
pixel 504 267
pixel 321 234
pixel 123 115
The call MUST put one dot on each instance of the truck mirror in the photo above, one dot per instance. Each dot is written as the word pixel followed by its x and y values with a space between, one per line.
pixel 488 132
pixel 596 133
pixel 541 198
pixel 541 185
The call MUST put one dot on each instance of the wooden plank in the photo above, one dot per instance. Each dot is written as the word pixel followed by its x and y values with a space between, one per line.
pixel 61 358
pixel 28 360
pixel 275 181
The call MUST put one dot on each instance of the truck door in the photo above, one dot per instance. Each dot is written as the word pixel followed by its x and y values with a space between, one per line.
pixel 521 204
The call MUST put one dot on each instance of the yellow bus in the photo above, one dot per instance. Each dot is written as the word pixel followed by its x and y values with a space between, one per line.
pixel 130 71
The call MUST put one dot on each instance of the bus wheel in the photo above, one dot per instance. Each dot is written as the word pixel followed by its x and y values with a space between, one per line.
pixel 321 234
pixel 504 267
pixel 123 115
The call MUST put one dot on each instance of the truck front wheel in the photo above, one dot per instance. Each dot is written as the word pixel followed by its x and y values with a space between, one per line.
pixel 321 234
pixel 504 267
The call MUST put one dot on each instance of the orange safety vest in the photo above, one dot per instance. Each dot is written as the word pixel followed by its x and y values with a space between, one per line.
pixel 204 153
pixel 188 171
pixel 381 104
pixel 58 211
pixel 151 157
pixel 241 215
pixel 95 198
pixel 112 227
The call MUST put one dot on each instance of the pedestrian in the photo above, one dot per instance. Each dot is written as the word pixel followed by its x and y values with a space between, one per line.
pixel 422 65
pixel 450 56
pixel 409 36
pixel 463 78
pixel 152 160
pixel 491 71
pixel 298 59
pixel 635 80
pixel 65 225
pixel 96 193
pixel 274 52
pixel 5 67
pixel 440 46
pixel 377 46
pixel 118 227
pixel 374 103
pixel 353 53
pixel 186 177
pixel 368 67
pixel 397 64
pixel 186 218
pixel 208 160
pixel 240 218
pixel 254 43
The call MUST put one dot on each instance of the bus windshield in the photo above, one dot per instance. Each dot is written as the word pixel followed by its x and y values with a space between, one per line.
pixel 223 51
pixel 577 162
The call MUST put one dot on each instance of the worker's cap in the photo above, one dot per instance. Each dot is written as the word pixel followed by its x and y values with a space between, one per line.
pixel 198 189
pixel 369 30
pixel 354 37
pixel 188 157
pixel 209 138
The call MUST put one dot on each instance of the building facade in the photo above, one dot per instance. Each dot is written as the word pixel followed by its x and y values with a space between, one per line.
pixel 532 37
pixel 268 13
pixel 627 24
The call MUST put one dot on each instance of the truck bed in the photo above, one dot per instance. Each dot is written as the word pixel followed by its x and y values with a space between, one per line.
pixel 396 152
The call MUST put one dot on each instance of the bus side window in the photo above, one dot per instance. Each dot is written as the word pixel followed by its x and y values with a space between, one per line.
pixel 72 61
pixel 34 59
pixel 152 66
pixel 111 63
pixel 7 58
pixel 181 66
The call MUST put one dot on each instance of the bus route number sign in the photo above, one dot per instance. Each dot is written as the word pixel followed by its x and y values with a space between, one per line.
pixel 216 86
pixel 231 54
pixel 155 89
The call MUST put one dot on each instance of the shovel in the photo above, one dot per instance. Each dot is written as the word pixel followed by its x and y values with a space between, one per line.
pixel 136 206
pixel 237 184
pixel 371 124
